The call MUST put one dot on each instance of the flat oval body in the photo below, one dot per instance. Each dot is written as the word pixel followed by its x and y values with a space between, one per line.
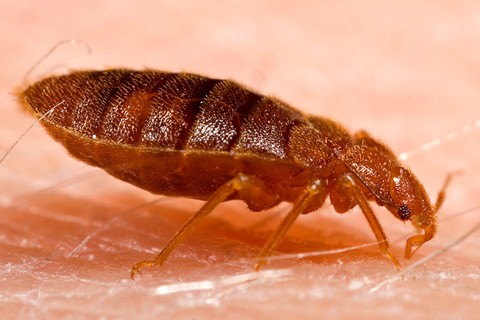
pixel 181 134
pixel 185 135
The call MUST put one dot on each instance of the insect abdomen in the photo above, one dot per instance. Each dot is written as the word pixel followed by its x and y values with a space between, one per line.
pixel 164 110
pixel 169 133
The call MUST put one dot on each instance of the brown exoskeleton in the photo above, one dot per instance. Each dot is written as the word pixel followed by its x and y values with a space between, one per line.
pixel 185 135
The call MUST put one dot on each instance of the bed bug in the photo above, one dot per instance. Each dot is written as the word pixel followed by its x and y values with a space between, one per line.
pixel 185 135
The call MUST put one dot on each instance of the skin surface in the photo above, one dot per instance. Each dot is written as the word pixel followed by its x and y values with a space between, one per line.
pixel 408 74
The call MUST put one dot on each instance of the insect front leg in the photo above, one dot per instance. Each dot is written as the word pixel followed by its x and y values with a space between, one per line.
pixel 349 181
pixel 250 189
pixel 414 242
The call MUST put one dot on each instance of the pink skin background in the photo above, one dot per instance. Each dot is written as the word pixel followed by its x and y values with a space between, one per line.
pixel 406 73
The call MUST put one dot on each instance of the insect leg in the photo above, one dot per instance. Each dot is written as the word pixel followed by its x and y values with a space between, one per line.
pixel 351 183
pixel 416 241
pixel 299 206
pixel 238 184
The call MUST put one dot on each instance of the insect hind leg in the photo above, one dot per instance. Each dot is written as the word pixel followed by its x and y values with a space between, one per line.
pixel 250 189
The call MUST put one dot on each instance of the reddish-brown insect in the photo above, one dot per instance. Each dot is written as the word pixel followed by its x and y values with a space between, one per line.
pixel 185 135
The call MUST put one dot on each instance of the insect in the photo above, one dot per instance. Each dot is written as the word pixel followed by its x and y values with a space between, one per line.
pixel 185 135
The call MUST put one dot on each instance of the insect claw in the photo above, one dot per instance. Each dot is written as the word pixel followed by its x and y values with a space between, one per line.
pixel 260 263
pixel 392 258
pixel 134 271
pixel 139 265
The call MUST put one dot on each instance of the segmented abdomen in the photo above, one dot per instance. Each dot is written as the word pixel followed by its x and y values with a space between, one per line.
pixel 165 110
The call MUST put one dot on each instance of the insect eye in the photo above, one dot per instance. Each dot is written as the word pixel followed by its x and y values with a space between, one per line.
pixel 404 212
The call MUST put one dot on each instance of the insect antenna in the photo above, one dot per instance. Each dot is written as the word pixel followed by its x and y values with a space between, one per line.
pixel 442 192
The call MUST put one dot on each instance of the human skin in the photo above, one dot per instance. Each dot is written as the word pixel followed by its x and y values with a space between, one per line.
pixel 405 73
